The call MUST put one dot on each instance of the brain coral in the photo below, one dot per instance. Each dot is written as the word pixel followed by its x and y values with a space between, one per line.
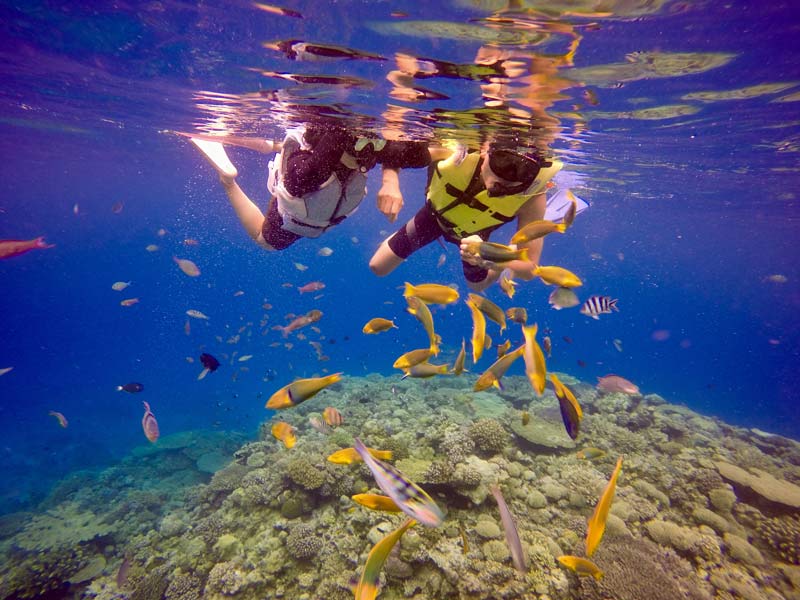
pixel 302 543
pixel 488 435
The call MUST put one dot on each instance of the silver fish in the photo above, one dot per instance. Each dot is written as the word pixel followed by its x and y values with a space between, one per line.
pixel 512 535
pixel 408 496
pixel 562 297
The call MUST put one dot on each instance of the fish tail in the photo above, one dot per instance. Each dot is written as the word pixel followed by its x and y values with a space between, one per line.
pixel 408 290
pixel 561 227
pixel 613 304
pixel 523 254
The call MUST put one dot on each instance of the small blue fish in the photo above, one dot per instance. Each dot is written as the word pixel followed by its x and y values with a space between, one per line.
pixel 408 496
pixel 598 305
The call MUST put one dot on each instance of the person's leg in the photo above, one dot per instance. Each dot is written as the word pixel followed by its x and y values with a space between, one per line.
pixel 384 261
pixel 250 216
pixel 417 233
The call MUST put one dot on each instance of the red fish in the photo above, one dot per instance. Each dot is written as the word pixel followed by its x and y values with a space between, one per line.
pixel 62 420
pixel 310 317
pixel 149 424
pixel 11 248
pixel 313 286
pixel 614 383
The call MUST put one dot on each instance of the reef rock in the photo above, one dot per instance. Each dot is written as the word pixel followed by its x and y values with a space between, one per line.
pixel 542 436
pixel 764 489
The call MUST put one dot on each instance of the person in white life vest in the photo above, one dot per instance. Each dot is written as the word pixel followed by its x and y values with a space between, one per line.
pixel 316 181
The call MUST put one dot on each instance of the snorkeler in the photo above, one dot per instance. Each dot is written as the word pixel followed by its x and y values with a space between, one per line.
pixel 317 180
pixel 469 195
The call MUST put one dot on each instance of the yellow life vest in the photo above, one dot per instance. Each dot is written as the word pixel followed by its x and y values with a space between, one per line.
pixel 461 203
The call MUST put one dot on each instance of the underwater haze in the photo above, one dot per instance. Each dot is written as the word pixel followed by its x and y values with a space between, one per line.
pixel 678 122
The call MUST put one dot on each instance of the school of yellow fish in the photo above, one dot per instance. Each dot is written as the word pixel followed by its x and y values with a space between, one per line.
pixel 401 494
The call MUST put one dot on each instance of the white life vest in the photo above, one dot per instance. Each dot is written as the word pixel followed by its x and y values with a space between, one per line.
pixel 310 215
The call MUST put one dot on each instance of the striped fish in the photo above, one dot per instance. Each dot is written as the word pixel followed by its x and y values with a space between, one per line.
pixel 411 498
pixel 598 305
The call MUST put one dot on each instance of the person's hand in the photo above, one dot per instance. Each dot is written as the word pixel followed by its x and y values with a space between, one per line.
pixel 390 200
pixel 468 256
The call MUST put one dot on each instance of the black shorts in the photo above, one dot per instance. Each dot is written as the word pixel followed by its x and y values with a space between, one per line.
pixel 423 229
pixel 272 229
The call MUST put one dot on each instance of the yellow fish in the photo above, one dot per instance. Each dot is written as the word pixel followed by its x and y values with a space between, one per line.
pixel 425 369
pixel 526 417
pixel 499 254
pixel 367 588
pixel 536 230
pixel 590 453
pixel 581 566
pixel 596 526
pixel 414 357
pixel 518 315
pixel 300 390
pixel 535 367
pixel 478 331
pixel 491 377
pixel 378 325
pixel 490 309
pixel 569 217
pixel 348 456
pixel 557 276
pixel 431 293
pixel 502 349
pixel 571 412
pixel 458 365
pixel 507 284
pixel 420 310
pixel 376 502
pixel 285 433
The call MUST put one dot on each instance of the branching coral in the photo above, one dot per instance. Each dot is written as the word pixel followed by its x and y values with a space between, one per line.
pixel 782 536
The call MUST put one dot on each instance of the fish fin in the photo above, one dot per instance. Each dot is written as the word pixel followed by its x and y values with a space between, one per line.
pixel 613 304
pixel 496 383
pixel 595 317
pixel 523 255
pixel 119 388
pixel 408 290
pixel 562 227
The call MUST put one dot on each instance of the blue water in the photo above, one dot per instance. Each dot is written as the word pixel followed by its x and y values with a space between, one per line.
pixel 689 218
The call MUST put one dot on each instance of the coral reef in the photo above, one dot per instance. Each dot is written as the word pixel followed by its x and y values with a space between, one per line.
pixel 702 509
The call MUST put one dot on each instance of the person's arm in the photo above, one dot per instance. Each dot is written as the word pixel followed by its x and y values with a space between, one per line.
pixel 390 199
pixel 532 210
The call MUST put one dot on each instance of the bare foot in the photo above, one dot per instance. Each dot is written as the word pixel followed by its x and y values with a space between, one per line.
pixel 216 155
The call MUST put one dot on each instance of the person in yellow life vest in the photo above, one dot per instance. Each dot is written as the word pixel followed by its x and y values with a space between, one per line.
pixel 469 195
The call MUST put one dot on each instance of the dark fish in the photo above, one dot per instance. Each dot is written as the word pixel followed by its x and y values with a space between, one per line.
pixel 300 50
pixel 131 388
pixel 209 362
pixel 581 363
pixel 598 305
pixel 124 569
pixel 567 339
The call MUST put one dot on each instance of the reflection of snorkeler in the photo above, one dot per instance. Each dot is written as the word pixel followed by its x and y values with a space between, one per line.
pixel 469 195
pixel 315 182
